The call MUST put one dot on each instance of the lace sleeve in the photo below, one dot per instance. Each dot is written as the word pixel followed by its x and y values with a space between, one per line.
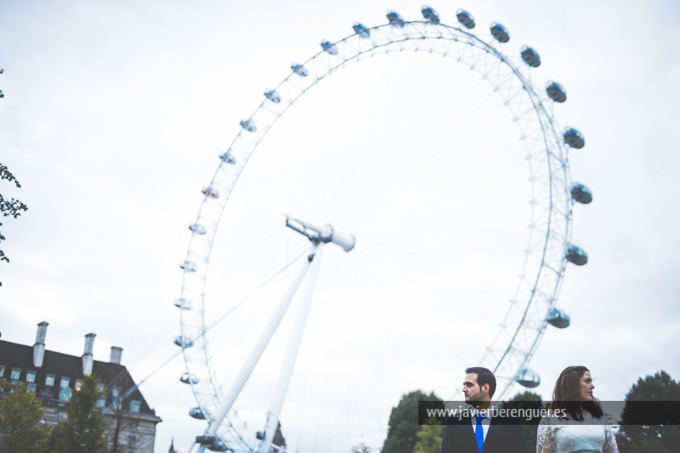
pixel 609 441
pixel 545 437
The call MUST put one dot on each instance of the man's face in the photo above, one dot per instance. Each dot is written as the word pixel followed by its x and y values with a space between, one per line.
pixel 472 391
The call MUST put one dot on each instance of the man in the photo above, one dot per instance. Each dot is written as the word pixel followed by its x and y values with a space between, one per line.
pixel 481 429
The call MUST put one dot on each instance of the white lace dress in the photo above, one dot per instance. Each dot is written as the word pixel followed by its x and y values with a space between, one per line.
pixel 557 435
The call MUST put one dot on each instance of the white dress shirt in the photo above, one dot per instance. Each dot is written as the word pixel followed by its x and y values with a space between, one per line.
pixel 486 421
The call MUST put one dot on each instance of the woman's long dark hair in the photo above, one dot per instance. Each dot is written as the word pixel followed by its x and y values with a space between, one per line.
pixel 567 396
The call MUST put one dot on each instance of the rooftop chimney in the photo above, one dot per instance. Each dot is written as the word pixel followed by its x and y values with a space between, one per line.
pixel 39 346
pixel 87 355
pixel 116 354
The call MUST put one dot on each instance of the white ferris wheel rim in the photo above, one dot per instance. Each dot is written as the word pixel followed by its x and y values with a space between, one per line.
pixel 413 36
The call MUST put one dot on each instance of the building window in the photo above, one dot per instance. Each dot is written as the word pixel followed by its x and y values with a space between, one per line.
pixel 46 392
pixel 101 402
pixel 16 373
pixel 79 384
pixel 65 394
pixel 61 415
pixel 30 376
pixel 64 382
pixel 31 386
pixel 100 387
pixel 49 380
pixel 135 405
pixel 2 370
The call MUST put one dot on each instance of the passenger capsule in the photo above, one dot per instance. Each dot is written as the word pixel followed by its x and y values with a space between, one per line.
pixel 227 158
pixel 218 445
pixel 395 19
pixel 558 318
pixel 182 304
pixel 574 138
pixel 197 228
pixel 197 413
pixel 581 193
pixel 530 57
pixel 430 14
pixel 183 342
pixel 576 255
pixel 361 30
pixel 248 125
pixel 187 378
pixel 328 47
pixel 188 266
pixel 500 32
pixel 528 378
pixel 205 440
pixel 299 70
pixel 272 96
pixel 1 95
pixel 466 19
pixel 556 92
pixel 210 192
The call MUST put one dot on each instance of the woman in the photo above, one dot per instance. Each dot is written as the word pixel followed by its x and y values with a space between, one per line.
pixel 578 425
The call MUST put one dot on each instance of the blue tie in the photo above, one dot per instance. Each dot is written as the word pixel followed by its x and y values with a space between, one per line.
pixel 479 431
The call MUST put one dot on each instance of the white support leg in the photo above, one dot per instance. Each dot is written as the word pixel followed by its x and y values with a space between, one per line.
pixel 256 353
pixel 291 353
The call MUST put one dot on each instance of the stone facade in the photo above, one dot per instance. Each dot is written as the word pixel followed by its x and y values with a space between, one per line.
pixel 55 376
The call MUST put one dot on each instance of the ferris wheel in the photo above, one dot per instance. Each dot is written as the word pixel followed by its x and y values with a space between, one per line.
pixel 402 221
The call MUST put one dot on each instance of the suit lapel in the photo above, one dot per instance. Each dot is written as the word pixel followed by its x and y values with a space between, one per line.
pixel 492 433
pixel 469 432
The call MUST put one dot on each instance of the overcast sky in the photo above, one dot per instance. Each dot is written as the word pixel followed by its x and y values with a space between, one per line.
pixel 114 113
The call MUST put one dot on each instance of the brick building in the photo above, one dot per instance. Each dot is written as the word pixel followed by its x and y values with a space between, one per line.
pixel 55 376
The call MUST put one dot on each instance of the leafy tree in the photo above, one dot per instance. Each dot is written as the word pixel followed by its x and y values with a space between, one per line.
pixel 527 400
pixel 83 430
pixel 360 448
pixel 402 433
pixel 20 417
pixel 635 435
pixel 429 439
pixel 641 446
pixel 9 207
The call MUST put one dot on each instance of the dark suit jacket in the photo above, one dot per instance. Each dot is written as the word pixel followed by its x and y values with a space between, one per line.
pixel 459 437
